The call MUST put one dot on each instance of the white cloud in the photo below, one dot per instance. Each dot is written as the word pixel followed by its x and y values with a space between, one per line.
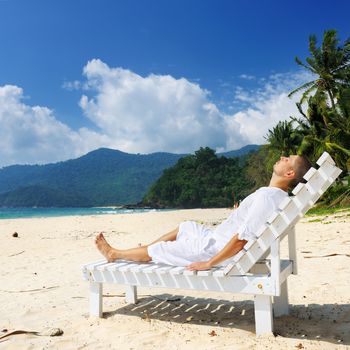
pixel 147 114
pixel 33 135
pixel 243 95
pixel 141 114
pixel 247 77
pixel 71 85
pixel 267 105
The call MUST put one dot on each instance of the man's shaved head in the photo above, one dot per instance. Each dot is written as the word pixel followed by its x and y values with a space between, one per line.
pixel 300 166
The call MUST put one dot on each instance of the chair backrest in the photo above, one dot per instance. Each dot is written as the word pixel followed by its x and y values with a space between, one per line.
pixel 289 212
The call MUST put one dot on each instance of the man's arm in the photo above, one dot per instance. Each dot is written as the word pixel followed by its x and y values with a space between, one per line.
pixel 230 249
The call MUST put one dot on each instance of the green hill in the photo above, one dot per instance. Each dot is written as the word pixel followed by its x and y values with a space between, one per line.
pixel 201 180
pixel 100 178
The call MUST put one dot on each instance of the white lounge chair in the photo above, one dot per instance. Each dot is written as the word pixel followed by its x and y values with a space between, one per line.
pixel 250 272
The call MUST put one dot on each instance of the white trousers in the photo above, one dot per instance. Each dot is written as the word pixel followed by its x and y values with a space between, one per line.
pixel 192 244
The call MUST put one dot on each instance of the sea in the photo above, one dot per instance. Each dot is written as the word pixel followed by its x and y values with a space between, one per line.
pixel 16 213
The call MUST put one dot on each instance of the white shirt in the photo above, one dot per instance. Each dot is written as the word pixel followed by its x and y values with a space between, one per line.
pixel 248 218
pixel 196 242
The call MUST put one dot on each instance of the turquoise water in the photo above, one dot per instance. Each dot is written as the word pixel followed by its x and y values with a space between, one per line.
pixel 15 213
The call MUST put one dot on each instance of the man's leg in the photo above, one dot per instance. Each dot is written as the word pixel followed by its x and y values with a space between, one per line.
pixel 170 236
pixel 134 254
pixel 112 254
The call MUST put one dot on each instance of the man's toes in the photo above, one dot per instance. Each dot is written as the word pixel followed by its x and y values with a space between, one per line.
pixel 98 239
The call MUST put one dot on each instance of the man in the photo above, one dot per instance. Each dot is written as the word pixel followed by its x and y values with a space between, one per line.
pixel 201 248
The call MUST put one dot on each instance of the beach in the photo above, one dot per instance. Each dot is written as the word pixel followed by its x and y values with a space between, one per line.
pixel 41 288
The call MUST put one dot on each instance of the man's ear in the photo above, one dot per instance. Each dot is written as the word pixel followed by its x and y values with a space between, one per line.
pixel 290 173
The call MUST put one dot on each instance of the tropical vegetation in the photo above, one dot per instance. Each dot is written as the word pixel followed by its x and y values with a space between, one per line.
pixel 200 180
pixel 323 123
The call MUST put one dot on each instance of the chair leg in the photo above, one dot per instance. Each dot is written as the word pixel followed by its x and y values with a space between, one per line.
pixel 280 304
pixel 263 314
pixel 131 294
pixel 95 299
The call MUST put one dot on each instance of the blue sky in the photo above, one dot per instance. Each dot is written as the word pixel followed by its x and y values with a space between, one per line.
pixel 146 76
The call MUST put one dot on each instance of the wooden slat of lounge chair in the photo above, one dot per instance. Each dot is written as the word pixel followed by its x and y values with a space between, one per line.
pixel 178 270
pixel 139 267
pixel 208 272
pixel 325 157
pixel 151 269
pixel 92 266
pixel 105 266
pixel 116 265
pixel 128 267
pixel 164 269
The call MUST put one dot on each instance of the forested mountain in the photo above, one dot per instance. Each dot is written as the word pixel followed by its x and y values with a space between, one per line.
pixel 101 177
pixel 201 180
pixel 240 152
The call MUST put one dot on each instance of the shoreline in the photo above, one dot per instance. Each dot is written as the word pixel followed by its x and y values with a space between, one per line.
pixel 18 213
pixel 57 212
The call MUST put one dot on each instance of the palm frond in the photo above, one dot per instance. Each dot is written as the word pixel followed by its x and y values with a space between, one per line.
pixel 316 67
pixel 300 109
pixel 338 147
pixel 302 87
pixel 344 66
pixel 307 93
pixel 300 63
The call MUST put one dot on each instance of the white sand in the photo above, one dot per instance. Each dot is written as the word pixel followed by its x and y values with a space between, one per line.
pixel 41 286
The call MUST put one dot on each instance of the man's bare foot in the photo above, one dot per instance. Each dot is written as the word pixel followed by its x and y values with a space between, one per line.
pixel 105 249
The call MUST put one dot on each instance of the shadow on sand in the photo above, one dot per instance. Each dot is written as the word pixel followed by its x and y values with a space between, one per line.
pixel 326 323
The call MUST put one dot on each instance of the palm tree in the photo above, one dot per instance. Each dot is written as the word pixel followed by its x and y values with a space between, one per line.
pixel 330 63
pixel 283 138
pixel 324 127
pixel 333 137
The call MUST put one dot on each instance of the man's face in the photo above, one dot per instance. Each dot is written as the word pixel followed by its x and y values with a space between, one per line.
pixel 284 165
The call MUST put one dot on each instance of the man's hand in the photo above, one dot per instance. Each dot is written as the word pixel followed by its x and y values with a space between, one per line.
pixel 230 249
pixel 201 265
